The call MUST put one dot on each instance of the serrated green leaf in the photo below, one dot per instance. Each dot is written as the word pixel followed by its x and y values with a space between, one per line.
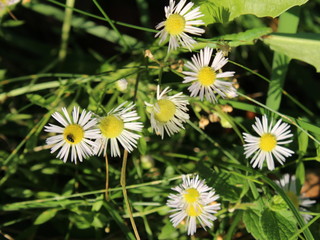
pixel 226 10
pixel 301 46
pixel 277 226
pixel 45 216
pixel 229 186
pixel 251 219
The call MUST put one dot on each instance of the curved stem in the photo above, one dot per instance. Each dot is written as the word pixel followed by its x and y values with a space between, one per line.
pixel 125 195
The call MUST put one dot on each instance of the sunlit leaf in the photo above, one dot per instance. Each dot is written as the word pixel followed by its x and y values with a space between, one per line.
pixel 226 10
pixel 301 46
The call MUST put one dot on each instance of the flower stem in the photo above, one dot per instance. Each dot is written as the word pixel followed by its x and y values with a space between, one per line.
pixel 107 178
pixel 125 195
pixel 12 15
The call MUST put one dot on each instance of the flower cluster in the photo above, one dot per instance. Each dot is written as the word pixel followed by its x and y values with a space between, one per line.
pixel 86 135
pixel 83 135
pixel 194 201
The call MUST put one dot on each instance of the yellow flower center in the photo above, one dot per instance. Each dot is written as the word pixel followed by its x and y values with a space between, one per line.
pixel 73 134
pixel 194 210
pixel 268 142
pixel 191 196
pixel 167 109
pixel 206 76
pixel 175 24
pixel 111 126
pixel 294 198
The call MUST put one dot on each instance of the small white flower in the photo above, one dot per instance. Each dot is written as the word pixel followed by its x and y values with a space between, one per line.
pixel 168 113
pixel 289 185
pixel 206 82
pixel 118 126
pixel 76 134
pixel 194 201
pixel 5 3
pixel 122 84
pixel 267 145
pixel 179 21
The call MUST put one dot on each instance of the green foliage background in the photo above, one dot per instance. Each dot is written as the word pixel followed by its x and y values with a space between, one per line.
pixel 53 57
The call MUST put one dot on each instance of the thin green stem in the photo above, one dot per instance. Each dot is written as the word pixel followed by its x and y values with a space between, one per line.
pixel 103 19
pixel 308 111
pixel 66 30
pixel 234 225
pixel 229 155
pixel 281 115
pixel 24 204
pixel 125 194
pixel 107 177
pixel 111 24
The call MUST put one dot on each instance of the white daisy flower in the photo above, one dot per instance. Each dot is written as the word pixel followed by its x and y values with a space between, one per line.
pixel 118 126
pixel 5 3
pixel 77 133
pixel 180 21
pixel 267 145
pixel 289 185
pixel 168 113
pixel 206 82
pixel 194 201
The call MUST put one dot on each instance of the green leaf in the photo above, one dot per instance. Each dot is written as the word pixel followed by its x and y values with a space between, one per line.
pixel 251 219
pixel 229 186
pixel 113 212
pixel 96 206
pixel 45 216
pixel 277 225
pixel 81 219
pixel 288 23
pixel 97 222
pixel 68 188
pixel 226 10
pixel 300 175
pixel 300 46
pixel 303 141
pixel 294 211
pixel 142 145
pixel 248 37
pixel 168 231
pixel 37 100
pixel 19 192
pixel 12 23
